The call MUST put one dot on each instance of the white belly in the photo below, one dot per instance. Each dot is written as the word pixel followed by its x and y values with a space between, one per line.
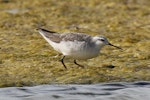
pixel 76 50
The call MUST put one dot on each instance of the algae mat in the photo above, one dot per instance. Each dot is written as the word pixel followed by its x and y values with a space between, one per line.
pixel 27 59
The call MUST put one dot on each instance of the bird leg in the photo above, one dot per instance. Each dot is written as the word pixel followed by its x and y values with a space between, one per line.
pixel 62 61
pixel 75 62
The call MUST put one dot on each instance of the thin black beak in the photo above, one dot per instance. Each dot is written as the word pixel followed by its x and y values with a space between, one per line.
pixel 114 46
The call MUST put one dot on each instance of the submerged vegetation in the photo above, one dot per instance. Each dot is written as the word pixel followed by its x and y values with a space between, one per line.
pixel 27 59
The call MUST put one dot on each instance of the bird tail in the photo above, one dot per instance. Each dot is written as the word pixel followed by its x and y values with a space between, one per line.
pixel 49 35
pixel 44 30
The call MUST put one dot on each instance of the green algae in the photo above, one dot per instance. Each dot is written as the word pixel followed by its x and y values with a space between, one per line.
pixel 27 59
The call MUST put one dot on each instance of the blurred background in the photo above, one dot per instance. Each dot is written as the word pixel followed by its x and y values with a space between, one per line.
pixel 27 59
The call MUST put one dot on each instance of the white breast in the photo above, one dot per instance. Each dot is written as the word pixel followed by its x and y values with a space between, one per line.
pixel 75 49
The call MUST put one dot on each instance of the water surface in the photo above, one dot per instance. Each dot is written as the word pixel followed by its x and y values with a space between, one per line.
pixel 104 91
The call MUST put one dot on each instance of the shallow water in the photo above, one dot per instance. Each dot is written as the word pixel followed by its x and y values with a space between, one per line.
pixel 104 91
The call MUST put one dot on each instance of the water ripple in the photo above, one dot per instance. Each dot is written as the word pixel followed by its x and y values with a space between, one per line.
pixel 103 91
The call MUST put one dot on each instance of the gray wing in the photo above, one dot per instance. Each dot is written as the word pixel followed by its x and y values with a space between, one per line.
pixel 75 36
pixel 56 37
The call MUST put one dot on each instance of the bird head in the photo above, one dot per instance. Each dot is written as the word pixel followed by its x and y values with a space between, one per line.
pixel 102 41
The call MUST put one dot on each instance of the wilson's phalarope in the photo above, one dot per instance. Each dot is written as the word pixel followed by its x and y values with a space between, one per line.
pixel 75 45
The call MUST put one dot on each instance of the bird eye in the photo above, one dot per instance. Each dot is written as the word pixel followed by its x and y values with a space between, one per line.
pixel 101 39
